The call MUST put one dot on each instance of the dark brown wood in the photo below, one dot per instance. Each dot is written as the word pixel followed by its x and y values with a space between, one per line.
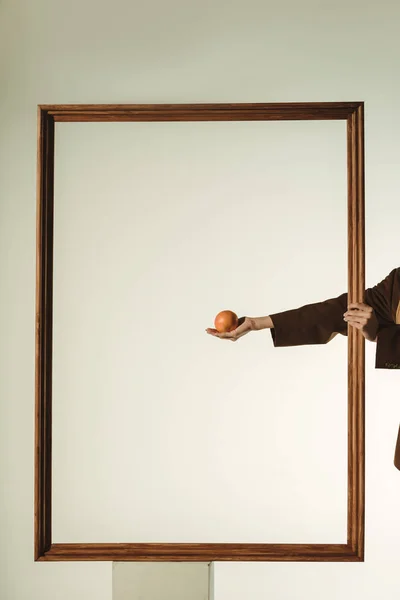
pixel 202 112
pixel 356 342
pixel 44 324
pixel 201 552
pixel 353 112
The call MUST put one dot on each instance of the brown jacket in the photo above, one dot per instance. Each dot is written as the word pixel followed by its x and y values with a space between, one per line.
pixel 318 323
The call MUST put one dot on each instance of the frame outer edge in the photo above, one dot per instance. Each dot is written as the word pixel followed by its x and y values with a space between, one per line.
pixel 43 332
pixel 44 550
pixel 356 343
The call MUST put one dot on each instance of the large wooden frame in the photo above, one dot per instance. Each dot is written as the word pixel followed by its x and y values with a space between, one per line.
pixel 44 549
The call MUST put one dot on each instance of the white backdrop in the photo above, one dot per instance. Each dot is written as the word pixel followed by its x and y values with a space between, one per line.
pixel 162 433
pixel 181 51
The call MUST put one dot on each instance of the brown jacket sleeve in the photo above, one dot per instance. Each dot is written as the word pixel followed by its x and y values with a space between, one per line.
pixel 311 324
pixel 318 323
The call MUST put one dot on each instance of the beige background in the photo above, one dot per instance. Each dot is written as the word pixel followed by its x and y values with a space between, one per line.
pixel 191 52
pixel 162 433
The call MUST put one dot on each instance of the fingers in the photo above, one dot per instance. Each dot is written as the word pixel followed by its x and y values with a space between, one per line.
pixel 360 306
pixel 361 310
pixel 229 335
pixel 234 335
pixel 239 331
pixel 356 315
pixel 358 320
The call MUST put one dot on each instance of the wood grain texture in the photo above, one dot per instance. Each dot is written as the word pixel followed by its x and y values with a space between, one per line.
pixel 202 112
pixel 201 552
pixel 44 324
pixel 356 342
pixel 353 112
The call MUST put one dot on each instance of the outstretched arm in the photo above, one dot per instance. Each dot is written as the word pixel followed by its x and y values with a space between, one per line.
pixel 318 323
pixel 378 318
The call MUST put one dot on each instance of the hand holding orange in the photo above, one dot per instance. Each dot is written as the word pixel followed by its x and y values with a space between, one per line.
pixel 226 321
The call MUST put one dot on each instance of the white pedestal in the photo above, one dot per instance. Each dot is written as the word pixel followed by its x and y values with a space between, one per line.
pixel 162 581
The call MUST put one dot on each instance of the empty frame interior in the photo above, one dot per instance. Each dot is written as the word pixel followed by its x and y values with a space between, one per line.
pixel 164 439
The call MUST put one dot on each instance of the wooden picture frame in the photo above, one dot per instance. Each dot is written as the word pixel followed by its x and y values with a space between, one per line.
pixel 44 549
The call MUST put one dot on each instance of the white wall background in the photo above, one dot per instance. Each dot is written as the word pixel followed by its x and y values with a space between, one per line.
pixel 161 432
pixel 191 52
